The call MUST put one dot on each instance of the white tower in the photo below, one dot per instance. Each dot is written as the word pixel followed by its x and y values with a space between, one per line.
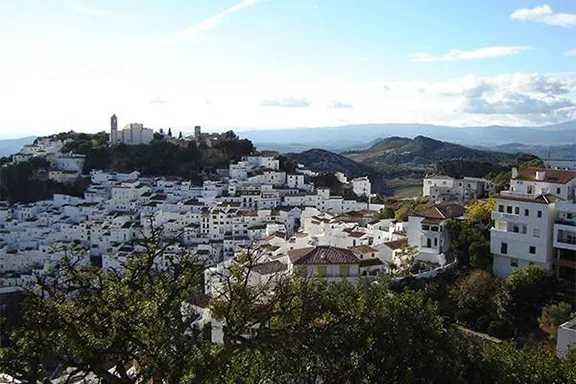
pixel 113 130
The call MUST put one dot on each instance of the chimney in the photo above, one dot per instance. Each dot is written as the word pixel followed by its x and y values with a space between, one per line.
pixel 540 175
pixel 514 173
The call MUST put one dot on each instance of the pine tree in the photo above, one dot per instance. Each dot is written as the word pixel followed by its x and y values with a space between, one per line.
pixel 170 132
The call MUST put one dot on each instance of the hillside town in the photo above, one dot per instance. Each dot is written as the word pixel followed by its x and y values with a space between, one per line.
pixel 284 221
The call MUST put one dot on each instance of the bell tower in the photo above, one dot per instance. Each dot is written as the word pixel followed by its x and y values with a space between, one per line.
pixel 113 130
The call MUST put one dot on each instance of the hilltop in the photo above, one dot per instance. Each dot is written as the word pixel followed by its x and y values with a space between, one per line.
pixel 420 151
pixel 321 160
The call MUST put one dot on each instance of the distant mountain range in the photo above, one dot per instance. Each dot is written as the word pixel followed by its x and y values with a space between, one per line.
pixel 360 136
pixel 420 151
pixel 12 146
pixel 563 152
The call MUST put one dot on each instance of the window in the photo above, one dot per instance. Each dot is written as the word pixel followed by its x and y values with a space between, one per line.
pixel 425 227
pixel 539 213
pixel 557 191
pixel 435 241
pixel 344 270
pixel 504 248
pixel 526 212
pixel 321 270
pixel 514 263
pixel 532 250
pixel 428 243
pixel 500 208
pixel 516 210
pixel 508 209
pixel 434 229
pixel 536 232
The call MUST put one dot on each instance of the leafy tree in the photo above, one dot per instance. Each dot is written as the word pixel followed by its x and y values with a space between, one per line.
pixel 405 261
pixel 385 213
pixel 536 365
pixel 522 295
pixel 480 212
pixel 94 320
pixel 474 294
pixel 553 315
pixel 409 207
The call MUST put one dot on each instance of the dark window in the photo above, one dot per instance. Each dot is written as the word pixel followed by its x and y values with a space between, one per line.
pixel 517 210
pixel 526 212
pixel 557 190
pixel 532 249
pixel 514 263
pixel 428 243
pixel 504 248
pixel 508 209
pixel 539 213
pixel 435 242
pixel 500 208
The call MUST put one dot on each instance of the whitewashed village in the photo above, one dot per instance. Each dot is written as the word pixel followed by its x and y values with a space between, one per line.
pixel 286 222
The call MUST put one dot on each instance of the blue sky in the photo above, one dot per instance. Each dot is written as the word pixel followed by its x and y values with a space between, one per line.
pixel 70 64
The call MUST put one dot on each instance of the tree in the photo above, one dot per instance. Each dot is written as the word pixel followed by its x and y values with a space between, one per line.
pixel 180 135
pixel 523 294
pixel 93 320
pixel 170 132
pixel 553 315
pixel 474 294
pixel 480 212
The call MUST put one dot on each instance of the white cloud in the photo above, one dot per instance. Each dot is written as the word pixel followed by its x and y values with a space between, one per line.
pixel 92 11
pixel 570 52
pixel 545 14
pixel 205 25
pixel 480 53
pixel 287 102
pixel 335 104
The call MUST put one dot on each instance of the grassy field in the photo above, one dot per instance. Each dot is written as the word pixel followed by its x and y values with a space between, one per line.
pixel 405 188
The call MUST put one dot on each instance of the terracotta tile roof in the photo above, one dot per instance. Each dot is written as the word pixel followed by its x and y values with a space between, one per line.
pixel 443 211
pixel 561 176
pixel 362 249
pixel 370 262
pixel 357 234
pixel 322 255
pixel 396 244
pixel 270 267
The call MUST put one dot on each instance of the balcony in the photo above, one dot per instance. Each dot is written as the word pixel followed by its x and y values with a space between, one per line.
pixel 515 194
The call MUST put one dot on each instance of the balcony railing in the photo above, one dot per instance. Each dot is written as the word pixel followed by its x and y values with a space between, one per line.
pixel 521 195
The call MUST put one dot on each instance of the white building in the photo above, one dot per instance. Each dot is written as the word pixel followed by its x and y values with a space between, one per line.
pixel 441 189
pixel 131 134
pixel 361 186
pixel 426 231
pixel 566 338
pixel 524 229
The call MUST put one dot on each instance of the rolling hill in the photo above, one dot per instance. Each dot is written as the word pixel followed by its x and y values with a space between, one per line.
pixel 321 160
pixel 351 136
pixel 420 152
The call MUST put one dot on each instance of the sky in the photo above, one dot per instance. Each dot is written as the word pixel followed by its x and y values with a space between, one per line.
pixel 265 64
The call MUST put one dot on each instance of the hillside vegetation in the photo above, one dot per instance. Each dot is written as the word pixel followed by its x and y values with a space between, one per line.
pixel 29 181
pixel 420 151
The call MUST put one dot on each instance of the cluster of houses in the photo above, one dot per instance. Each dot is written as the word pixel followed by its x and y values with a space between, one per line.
pixel 285 222
pixel 64 167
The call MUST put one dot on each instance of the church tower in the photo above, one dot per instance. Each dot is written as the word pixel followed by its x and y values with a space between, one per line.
pixel 113 130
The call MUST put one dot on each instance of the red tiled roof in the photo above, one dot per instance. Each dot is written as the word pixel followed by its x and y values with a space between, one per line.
pixel 561 176
pixel 322 255
pixel 396 244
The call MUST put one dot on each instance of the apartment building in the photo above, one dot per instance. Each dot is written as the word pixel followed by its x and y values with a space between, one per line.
pixel 533 222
